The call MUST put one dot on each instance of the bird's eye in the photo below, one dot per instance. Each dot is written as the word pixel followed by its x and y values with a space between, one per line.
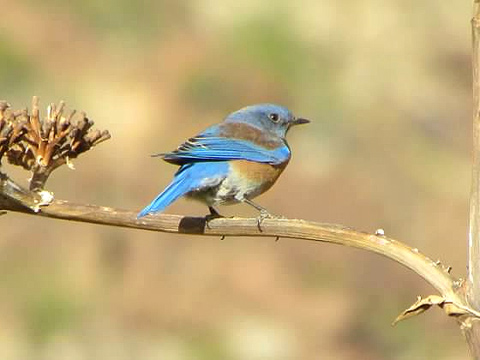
pixel 274 117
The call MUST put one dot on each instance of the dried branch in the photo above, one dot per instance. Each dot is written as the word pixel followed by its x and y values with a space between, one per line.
pixel 451 299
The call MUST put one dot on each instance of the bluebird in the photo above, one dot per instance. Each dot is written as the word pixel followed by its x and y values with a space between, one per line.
pixel 231 162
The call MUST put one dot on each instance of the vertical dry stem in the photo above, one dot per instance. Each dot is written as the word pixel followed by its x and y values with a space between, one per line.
pixel 473 279
pixel 471 328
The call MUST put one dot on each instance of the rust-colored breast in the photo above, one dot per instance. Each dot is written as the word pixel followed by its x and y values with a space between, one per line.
pixel 244 131
pixel 263 175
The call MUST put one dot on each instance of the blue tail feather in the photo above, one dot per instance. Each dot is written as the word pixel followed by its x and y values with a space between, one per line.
pixel 187 178
pixel 178 187
pixel 171 193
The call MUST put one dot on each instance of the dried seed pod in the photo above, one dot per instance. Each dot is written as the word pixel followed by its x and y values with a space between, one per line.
pixel 43 144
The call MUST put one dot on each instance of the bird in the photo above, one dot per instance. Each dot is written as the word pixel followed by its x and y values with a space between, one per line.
pixel 231 162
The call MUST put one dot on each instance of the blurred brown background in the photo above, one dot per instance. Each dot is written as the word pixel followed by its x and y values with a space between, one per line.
pixel 387 85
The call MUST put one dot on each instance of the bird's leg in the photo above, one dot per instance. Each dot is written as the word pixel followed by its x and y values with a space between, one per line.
pixel 258 207
pixel 213 215
pixel 264 214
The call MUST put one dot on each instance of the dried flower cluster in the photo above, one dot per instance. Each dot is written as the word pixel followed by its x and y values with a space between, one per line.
pixel 42 145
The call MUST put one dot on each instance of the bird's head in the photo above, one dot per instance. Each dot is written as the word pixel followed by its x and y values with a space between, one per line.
pixel 273 118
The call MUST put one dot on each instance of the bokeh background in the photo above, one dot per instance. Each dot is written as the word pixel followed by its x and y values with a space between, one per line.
pixel 387 85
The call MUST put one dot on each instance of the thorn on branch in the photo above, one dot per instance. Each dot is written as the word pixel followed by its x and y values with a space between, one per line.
pixel 423 304
pixel 447 269
pixel 41 145
pixel 420 306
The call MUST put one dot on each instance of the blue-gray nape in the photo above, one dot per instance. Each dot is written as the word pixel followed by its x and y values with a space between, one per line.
pixel 273 118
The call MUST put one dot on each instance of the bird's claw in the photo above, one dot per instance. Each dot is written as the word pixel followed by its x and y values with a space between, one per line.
pixel 264 214
pixel 213 215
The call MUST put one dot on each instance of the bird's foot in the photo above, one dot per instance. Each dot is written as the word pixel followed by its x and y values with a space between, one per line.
pixel 213 215
pixel 264 214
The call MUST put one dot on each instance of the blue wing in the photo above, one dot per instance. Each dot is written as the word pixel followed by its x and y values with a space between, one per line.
pixel 212 148
pixel 189 177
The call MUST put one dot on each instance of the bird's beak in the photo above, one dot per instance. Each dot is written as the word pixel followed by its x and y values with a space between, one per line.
pixel 299 121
